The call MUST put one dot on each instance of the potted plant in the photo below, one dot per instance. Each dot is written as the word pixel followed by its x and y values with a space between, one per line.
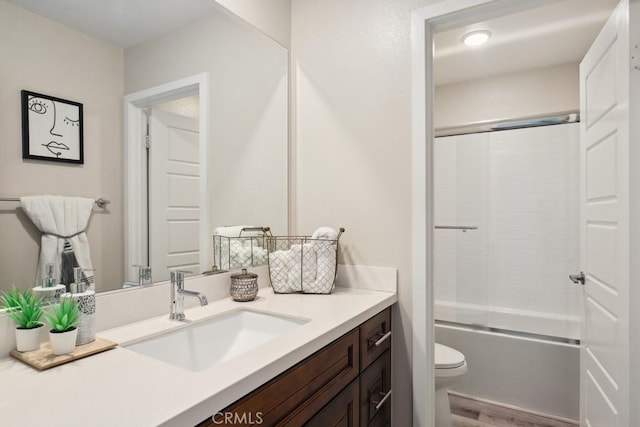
pixel 63 320
pixel 25 309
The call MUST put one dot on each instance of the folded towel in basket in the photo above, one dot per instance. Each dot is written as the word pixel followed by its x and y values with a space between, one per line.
pixel 280 265
pixel 236 231
pixel 260 255
pixel 308 267
pixel 304 262
pixel 326 233
pixel 325 270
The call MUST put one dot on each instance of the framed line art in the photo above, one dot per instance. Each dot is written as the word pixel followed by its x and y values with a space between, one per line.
pixel 51 128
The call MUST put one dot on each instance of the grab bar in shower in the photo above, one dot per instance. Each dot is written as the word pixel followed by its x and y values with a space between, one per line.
pixel 464 228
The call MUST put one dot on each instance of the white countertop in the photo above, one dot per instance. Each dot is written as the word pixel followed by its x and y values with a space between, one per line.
pixel 123 388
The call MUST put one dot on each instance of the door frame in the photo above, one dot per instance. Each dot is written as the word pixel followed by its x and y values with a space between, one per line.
pixel 135 106
pixel 424 23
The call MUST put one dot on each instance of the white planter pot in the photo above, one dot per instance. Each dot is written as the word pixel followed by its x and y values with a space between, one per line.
pixel 63 342
pixel 28 339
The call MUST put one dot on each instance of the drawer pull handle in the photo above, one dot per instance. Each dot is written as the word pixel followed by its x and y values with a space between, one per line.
pixel 378 341
pixel 380 402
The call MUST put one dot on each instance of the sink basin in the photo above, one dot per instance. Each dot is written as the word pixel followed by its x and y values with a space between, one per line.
pixel 203 344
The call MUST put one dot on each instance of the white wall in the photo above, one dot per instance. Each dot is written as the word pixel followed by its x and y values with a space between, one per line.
pixel 42 56
pixel 509 96
pixel 248 77
pixel 520 188
pixel 351 72
pixel 352 159
pixel 273 17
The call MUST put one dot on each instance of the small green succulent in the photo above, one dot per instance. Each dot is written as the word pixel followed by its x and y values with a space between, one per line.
pixel 64 316
pixel 9 299
pixel 24 308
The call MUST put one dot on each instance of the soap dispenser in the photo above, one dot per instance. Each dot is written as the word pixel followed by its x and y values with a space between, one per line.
pixel 49 291
pixel 85 299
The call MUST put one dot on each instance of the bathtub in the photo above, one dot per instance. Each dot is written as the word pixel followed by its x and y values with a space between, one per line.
pixel 536 374
pixel 563 326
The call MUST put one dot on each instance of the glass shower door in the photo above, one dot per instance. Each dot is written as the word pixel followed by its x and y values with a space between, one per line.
pixel 506 237
pixel 461 214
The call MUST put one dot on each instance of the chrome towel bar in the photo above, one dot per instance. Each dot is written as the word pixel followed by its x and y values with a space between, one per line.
pixel 456 227
pixel 101 202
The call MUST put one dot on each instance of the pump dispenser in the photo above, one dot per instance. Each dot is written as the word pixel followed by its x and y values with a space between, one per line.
pixel 86 302
pixel 49 291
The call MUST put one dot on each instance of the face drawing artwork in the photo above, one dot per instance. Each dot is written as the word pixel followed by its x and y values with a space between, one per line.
pixel 54 128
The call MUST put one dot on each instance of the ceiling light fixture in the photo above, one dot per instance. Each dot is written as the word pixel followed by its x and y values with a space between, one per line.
pixel 476 38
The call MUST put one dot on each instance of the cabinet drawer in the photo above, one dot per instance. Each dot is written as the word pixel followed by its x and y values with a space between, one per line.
pixel 295 396
pixel 375 337
pixel 342 411
pixel 375 393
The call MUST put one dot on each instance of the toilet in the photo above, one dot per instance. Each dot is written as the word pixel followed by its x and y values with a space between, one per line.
pixel 450 365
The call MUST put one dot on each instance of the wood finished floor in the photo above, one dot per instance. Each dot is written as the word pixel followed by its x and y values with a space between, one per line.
pixel 471 413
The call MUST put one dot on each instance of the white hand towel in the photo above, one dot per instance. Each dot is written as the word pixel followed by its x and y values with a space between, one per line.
pixel 236 231
pixel 326 233
pixel 238 254
pixel 295 268
pixel 324 237
pixel 326 269
pixel 279 269
pixel 60 218
pixel 259 256
pixel 305 262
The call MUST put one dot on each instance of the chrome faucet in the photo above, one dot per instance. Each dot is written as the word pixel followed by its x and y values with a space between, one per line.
pixel 144 277
pixel 144 274
pixel 178 292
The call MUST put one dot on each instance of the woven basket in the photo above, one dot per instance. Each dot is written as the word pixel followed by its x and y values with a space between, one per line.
pixel 301 264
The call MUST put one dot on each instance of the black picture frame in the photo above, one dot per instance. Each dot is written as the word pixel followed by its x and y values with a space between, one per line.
pixel 52 128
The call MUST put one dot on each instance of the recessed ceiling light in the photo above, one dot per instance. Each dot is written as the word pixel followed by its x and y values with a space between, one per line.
pixel 476 38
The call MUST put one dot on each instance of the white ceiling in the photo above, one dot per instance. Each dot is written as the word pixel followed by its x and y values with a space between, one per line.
pixel 554 34
pixel 559 33
pixel 121 22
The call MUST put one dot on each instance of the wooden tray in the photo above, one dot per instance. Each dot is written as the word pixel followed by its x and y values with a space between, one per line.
pixel 43 358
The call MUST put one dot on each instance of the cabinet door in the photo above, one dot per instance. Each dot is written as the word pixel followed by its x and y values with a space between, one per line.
pixel 342 411
pixel 375 393
pixel 293 397
pixel 375 337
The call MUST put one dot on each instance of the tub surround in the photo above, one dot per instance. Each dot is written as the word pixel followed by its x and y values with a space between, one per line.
pixel 149 392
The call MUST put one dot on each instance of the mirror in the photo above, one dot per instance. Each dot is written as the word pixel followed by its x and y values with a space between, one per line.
pixel 208 88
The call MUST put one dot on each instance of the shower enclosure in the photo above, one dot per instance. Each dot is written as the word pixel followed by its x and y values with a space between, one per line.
pixel 507 236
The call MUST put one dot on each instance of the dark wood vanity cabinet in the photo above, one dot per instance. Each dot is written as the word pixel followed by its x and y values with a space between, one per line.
pixel 346 383
pixel 343 410
pixel 375 337
pixel 375 367
pixel 375 392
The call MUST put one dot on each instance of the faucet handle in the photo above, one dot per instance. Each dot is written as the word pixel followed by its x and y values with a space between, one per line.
pixel 83 280
pixel 144 273
pixel 178 275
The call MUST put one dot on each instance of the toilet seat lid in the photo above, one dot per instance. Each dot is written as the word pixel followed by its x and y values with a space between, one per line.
pixel 447 357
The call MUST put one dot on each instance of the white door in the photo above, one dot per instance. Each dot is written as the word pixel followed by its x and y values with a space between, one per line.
pixel 604 258
pixel 174 194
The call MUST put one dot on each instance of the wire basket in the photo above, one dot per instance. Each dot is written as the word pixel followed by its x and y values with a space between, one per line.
pixel 303 264
pixel 247 250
